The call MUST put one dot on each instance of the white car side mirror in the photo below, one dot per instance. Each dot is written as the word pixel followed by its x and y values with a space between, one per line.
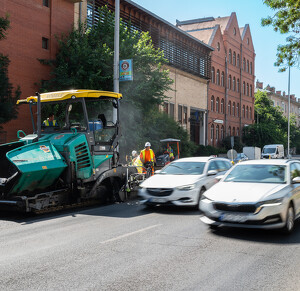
pixel 212 173
pixel 296 180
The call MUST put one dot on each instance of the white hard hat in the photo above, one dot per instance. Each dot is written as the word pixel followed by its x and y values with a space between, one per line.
pixel 147 144
pixel 134 153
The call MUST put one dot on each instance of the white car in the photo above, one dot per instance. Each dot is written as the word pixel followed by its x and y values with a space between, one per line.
pixel 183 181
pixel 255 194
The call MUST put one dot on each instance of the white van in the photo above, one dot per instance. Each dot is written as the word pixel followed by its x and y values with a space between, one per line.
pixel 273 151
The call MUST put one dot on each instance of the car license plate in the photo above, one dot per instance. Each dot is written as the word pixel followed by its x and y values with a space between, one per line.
pixel 157 200
pixel 233 217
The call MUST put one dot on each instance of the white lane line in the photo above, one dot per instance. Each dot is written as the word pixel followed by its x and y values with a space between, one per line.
pixel 129 234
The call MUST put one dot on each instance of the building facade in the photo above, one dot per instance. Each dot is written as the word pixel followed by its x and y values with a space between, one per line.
pixel 189 63
pixel 31 36
pixel 231 88
pixel 280 99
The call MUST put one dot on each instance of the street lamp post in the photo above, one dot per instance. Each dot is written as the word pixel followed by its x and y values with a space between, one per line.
pixel 116 53
pixel 289 106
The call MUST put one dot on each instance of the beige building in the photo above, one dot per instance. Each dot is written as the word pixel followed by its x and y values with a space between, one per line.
pixel 280 99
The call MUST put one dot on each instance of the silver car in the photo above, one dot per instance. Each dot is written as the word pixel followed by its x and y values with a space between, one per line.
pixel 255 194
pixel 183 181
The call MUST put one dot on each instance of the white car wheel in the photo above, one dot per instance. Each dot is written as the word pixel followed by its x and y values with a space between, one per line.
pixel 290 220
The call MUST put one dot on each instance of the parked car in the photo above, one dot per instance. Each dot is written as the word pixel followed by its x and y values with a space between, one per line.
pixel 255 194
pixel 240 158
pixel 183 181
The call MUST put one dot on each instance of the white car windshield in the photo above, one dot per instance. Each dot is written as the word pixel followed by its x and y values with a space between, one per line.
pixel 257 174
pixel 184 168
pixel 269 150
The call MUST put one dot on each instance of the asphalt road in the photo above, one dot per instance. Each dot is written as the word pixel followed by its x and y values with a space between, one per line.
pixel 125 247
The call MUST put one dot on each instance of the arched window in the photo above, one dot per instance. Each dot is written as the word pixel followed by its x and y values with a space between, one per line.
pixel 212 130
pixel 222 132
pixel 237 109
pixel 222 106
pixel 218 77
pixel 238 85
pixel 243 111
pixel 229 108
pixel 234 59
pixel 229 82
pixel 222 79
pixel 247 115
pixel 217 134
pixel 213 80
pixel 247 89
pixel 251 69
pixel 233 131
pixel 247 66
pixel 244 88
pixel 229 130
pixel 233 84
pixel 233 109
pixel 230 57
pixel 217 104
pixel 250 113
pixel 212 103
pixel 238 60
pixel 244 64
pixel 251 90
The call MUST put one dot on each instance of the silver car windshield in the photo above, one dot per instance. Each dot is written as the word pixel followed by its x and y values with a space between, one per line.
pixel 184 168
pixel 257 174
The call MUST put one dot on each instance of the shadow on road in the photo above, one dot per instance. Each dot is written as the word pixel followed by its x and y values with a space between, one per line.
pixel 260 235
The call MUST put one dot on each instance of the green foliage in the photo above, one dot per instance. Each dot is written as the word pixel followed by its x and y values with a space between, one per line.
pixel 206 151
pixel 238 145
pixel 4 25
pixel 7 97
pixel 271 126
pixel 85 61
pixel 285 20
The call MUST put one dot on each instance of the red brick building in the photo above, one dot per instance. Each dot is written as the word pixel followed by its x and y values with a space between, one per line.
pixel 231 89
pixel 33 27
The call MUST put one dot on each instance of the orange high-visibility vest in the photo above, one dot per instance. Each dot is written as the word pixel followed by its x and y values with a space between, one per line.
pixel 143 155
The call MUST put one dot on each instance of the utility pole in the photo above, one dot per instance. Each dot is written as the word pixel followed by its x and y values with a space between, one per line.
pixel 116 53
pixel 289 103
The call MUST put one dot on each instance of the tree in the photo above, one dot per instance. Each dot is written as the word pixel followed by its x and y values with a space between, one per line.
pixel 85 60
pixel 285 20
pixel 271 126
pixel 8 109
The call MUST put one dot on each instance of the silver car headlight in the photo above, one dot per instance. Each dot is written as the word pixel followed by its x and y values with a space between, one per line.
pixel 186 187
pixel 276 201
pixel 271 202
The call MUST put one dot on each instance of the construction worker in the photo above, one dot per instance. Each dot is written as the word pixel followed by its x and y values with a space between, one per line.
pixel 50 121
pixel 136 161
pixel 147 155
pixel 169 151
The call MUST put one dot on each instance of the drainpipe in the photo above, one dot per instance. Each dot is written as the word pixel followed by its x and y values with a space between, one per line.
pixel 240 109
pixel 226 96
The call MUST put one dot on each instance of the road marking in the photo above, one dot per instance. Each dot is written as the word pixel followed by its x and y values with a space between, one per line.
pixel 129 234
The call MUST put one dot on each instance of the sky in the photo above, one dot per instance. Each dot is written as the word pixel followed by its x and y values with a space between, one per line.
pixel 265 39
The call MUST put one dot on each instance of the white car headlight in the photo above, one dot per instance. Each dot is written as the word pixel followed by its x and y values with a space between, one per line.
pixel 271 202
pixel 186 187
pixel 275 201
